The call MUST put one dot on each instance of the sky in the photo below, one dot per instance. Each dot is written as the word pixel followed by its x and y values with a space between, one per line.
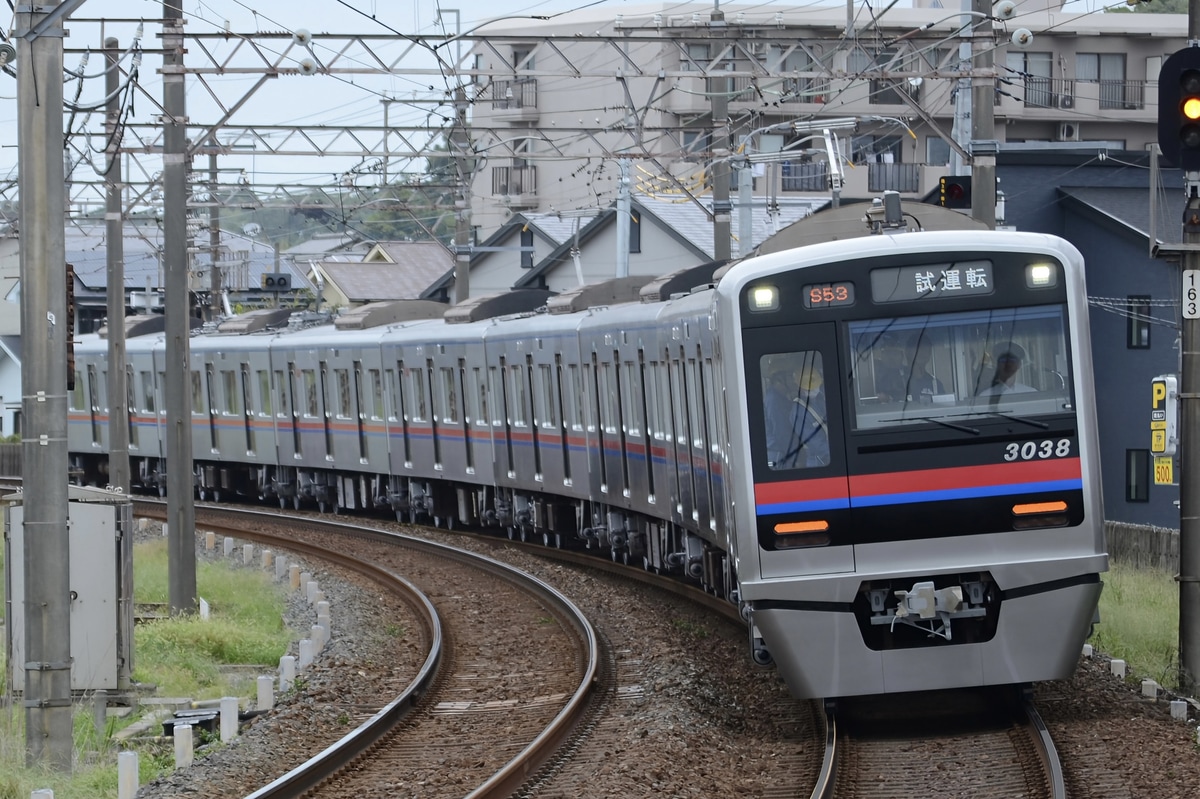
pixel 290 100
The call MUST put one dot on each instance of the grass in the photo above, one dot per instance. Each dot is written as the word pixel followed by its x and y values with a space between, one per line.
pixel 1139 622
pixel 182 656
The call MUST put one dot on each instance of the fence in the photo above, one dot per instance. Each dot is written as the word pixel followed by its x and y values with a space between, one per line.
pixel 1142 546
pixel 10 460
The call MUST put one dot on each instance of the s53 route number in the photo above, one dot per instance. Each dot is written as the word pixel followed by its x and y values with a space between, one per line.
pixel 1037 450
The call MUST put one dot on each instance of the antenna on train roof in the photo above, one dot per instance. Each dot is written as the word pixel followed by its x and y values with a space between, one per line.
pixel 885 213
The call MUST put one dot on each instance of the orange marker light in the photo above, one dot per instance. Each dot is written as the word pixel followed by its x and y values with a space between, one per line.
pixel 818 526
pixel 1039 507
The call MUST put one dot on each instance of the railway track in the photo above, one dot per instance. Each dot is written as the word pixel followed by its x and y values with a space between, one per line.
pixel 956 744
pixel 468 713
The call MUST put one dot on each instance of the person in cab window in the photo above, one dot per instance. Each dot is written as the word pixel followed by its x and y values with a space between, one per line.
pixel 891 370
pixel 794 400
pixel 1009 358
pixel 922 384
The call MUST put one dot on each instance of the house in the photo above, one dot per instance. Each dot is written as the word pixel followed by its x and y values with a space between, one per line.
pixel 665 234
pixel 398 270
pixel 10 385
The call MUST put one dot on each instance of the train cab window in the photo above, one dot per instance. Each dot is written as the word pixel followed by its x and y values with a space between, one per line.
pixel 974 363
pixel 794 410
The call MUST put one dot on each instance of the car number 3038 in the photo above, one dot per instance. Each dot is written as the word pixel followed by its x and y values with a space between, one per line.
pixel 1034 450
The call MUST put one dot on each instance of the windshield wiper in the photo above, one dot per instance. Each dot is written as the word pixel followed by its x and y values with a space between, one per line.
pixel 941 421
pixel 1023 420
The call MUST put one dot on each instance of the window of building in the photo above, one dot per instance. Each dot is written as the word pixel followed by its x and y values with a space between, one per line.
pixel 937 151
pixel 1108 70
pixel 1035 69
pixel 1137 324
pixel 526 247
pixel 1137 475
pixel 635 230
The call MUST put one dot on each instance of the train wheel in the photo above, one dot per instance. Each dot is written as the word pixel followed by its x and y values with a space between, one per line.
pixel 282 503
pixel 296 502
pixel 512 533
pixel 321 505
pixel 449 522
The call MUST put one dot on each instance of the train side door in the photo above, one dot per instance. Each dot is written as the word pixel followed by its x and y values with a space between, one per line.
pixel 801 489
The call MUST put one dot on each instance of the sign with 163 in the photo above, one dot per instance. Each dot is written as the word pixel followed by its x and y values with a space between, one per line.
pixel 1191 293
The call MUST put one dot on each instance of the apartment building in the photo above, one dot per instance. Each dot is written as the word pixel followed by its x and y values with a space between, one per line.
pixel 558 103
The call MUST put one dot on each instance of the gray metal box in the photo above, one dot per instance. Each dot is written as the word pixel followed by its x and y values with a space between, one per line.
pixel 100 538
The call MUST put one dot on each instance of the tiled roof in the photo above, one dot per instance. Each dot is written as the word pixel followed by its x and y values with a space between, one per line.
pixel 419 265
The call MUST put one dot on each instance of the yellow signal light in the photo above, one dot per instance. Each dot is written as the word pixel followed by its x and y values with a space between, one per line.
pixel 1191 108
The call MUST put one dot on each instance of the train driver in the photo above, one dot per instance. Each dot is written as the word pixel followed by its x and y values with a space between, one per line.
pixel 794 405
pixel 1009 358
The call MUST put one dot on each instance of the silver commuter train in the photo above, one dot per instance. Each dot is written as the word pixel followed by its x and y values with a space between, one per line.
pixel 936 523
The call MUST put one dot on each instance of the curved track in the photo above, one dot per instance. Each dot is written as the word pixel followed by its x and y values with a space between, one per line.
pixel 511 724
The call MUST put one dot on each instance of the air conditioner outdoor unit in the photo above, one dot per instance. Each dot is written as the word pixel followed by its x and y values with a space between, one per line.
pixel 1068 131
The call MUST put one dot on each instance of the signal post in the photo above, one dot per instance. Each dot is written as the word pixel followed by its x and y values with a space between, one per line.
pixel 1179 140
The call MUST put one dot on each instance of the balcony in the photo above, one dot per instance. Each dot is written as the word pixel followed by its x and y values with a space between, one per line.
pixel 514 100
pixel 516 184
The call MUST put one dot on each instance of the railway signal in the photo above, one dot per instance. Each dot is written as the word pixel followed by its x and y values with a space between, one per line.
pixel 276 281
pixel 954 191
pixel 1179 109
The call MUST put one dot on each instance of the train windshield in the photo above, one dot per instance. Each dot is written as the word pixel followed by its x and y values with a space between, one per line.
pixel 942 367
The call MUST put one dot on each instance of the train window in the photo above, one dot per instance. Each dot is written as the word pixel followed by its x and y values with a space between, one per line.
pixel 376 381
pixel 573 398
pixel 676 392
pixel 264 392
pixel 546 389
pixel 229 391
pixel 281 386
pixel 493 386
pixel 971 363
pixel 478 394
pixel 342 376
pixel 631 398
pixel 198 403
pixel 147 392
pixel 695 414
pixel 311 406
pixel 517 395
pixel 608 399
pixel 77 395
pixel 448 396
pixel 417 381
pixel 389 377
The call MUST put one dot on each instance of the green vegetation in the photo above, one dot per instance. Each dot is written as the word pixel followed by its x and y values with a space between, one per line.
pixel 183 657
pixel 1139 622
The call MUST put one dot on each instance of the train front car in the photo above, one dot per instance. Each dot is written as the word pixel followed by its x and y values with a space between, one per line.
pixel 922 506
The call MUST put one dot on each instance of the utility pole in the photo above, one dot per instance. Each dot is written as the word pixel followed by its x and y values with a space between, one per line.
pixel 181 508
pixel 47 606
pixel 984 146
pixel 623 218
pixel 722 207
pixel 114 225
pixel 214 234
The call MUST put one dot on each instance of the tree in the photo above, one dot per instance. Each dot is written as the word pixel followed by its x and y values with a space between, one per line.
pixel 1152 7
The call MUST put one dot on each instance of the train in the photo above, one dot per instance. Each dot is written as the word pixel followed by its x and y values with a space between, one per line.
pixel 883 449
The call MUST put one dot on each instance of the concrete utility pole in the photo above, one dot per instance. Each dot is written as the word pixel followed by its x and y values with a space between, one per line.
pixel 1189 412
pixel 114 225
pixel 181 508
pixel 624 210
pixel 214 235
pixel 984 146
pixel 47 607
pixel 722 207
